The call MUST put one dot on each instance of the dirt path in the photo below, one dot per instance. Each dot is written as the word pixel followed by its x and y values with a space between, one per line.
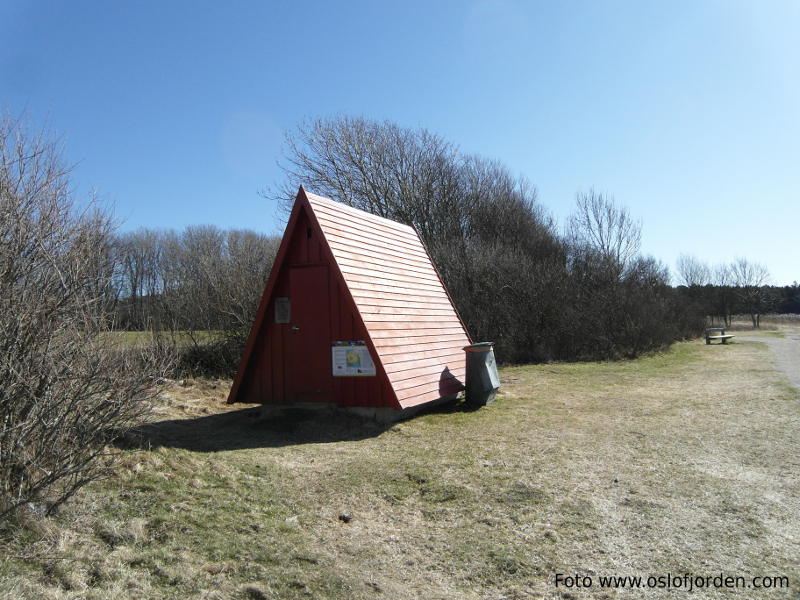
pixel 787 353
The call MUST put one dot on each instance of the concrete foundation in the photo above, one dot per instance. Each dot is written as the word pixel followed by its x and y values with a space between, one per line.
pixel 379 415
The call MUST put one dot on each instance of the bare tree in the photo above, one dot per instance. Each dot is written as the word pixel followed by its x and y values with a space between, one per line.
pixel 239 283
pixel 138 279
pixel 723 298
pixel 692 271
pixel 409 175
pixel 751 279
pixel 600 226
pixel 65 390
pixel 214 277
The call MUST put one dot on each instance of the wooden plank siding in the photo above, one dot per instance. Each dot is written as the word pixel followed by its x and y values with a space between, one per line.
pixel 401 299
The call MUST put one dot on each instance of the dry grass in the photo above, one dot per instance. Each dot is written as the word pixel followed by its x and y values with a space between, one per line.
pixel 768 322
pixel 682 462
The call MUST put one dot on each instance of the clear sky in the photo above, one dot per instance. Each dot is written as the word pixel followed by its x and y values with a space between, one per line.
pixel 688 113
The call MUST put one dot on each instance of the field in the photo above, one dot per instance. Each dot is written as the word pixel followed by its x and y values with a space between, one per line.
pixel 683 462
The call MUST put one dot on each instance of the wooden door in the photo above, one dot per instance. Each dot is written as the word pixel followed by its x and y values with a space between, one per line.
pixel 309 344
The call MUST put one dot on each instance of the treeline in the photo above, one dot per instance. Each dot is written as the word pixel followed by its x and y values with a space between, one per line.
pixel 201 279
pixel 196 291
pixel 738 287
pixel 786 299
pixel 539 293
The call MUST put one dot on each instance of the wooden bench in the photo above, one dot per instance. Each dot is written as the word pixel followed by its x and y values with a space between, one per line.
pixel 717 333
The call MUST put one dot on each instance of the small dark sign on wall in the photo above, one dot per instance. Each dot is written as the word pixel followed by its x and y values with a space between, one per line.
pixel 283 310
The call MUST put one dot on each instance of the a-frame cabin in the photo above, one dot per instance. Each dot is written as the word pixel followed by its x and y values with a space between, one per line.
pixel 354 314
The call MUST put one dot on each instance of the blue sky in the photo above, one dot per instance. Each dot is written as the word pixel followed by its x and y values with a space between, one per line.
pixel 688 113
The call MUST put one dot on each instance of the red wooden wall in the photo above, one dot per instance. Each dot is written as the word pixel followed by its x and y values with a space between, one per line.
pixel 285 369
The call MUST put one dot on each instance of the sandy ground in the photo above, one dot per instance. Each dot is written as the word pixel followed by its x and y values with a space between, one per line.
pixel 786 351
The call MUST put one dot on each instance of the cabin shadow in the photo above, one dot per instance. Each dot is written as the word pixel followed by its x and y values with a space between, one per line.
pixel 245 429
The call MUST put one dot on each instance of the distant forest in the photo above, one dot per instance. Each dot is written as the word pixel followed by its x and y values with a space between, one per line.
pixel 206 279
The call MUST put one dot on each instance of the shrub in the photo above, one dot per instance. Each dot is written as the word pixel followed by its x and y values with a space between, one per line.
pixel 65 388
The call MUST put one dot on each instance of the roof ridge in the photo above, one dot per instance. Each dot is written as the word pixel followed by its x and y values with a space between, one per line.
pixel 361 213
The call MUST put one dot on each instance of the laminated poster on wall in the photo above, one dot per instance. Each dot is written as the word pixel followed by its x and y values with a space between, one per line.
pixel 352 359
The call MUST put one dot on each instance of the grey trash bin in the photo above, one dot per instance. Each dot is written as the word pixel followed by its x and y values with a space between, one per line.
pixel 482 378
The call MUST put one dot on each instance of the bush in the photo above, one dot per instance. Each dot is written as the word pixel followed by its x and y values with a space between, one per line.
pixel 65 389
pixel 213 358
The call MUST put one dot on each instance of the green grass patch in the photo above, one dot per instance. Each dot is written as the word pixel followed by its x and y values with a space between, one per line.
pixel 768 333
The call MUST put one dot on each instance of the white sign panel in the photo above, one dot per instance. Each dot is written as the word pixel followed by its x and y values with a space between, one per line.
pixel 352 359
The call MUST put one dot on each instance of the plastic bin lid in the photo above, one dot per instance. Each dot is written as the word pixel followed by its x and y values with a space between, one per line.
pixel 479 346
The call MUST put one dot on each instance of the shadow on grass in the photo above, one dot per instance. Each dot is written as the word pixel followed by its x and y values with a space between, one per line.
pixel 242 429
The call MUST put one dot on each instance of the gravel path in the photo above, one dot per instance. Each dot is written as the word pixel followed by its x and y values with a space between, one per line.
pixel 787 354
